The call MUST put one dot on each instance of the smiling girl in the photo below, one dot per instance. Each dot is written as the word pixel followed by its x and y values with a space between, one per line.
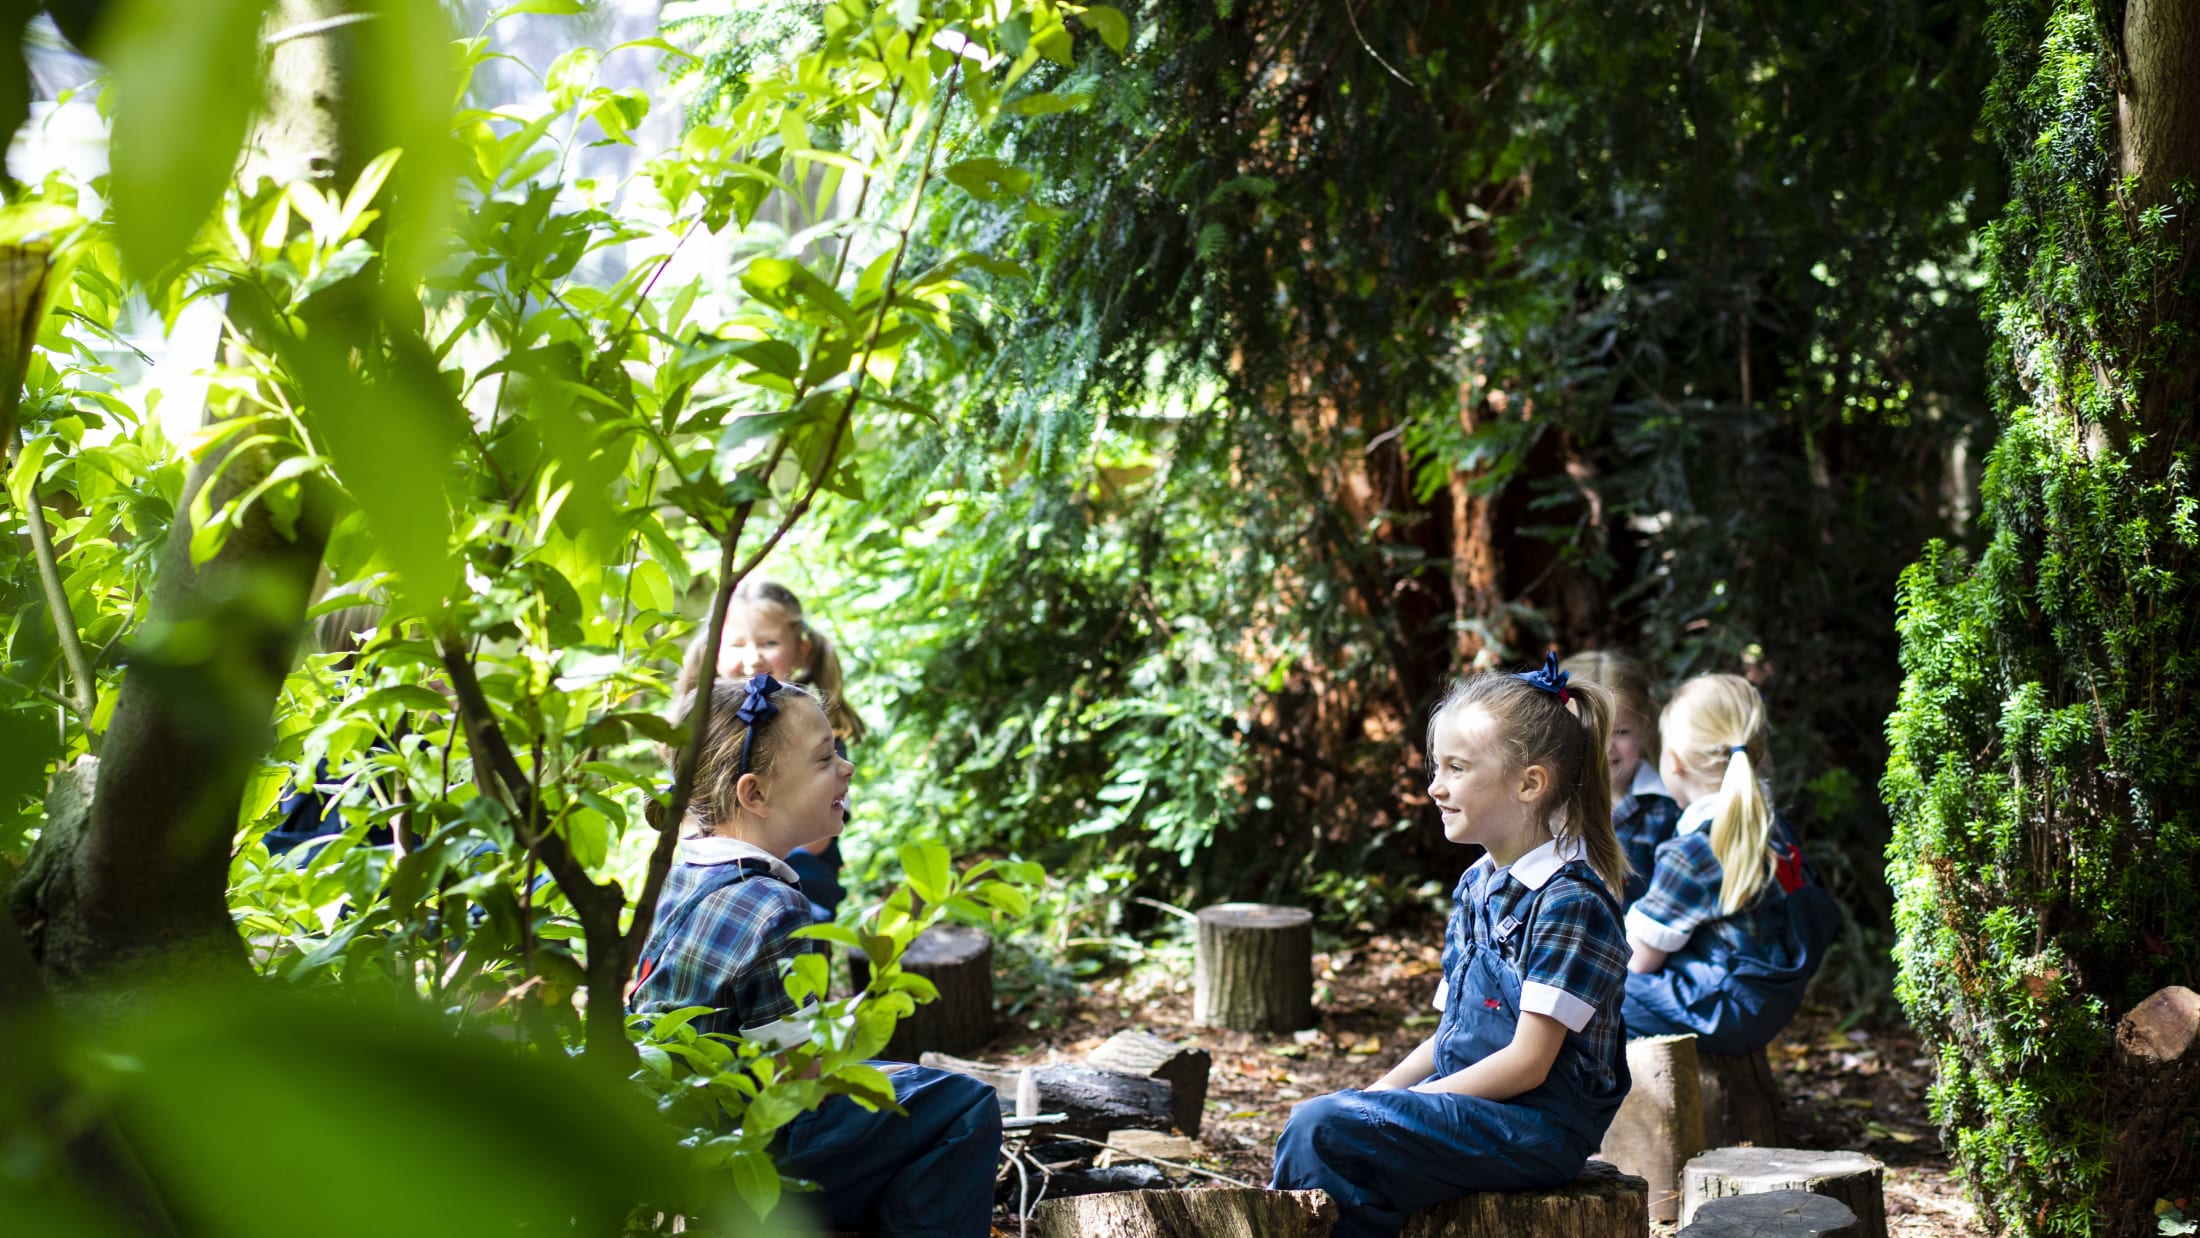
pixel 1526 1068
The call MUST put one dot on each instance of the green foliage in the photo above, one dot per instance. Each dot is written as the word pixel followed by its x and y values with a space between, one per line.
pixel 1182 575
pixel 2041 777
pixel 522 453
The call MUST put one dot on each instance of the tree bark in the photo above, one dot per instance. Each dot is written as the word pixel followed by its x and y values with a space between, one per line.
pixel 1094 1101
pixel 1741 1100
pixel 1253 968
pixel 1660 1125
pixel 1231 1213
pixel 140 890
pixel 1183 1067
pixel 1601 1201
pixel 958 960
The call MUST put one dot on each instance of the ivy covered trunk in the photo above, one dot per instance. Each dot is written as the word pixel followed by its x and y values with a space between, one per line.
pixel 2044 775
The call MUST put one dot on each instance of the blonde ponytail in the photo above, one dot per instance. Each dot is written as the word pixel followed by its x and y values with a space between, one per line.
pixel 1717 723
pixel 823 673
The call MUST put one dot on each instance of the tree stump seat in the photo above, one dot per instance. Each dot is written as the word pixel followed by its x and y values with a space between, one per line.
pixel 1232 1212
pixel 1741 1100
pixel 1850 1177
pixel 1253 968
pixel 1774 1214
pixel 1660 1126
pixel 958 960
pixel 1601 1203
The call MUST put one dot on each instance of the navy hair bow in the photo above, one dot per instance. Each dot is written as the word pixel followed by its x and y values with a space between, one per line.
pixel 1549 679
pixel 756 709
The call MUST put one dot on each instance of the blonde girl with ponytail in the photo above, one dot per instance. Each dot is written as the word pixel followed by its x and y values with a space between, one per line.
pixel 1643 815
pixel 1528 1064
pixel 1734 922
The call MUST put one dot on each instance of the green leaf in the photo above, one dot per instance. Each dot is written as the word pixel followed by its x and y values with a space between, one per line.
pixel 186 81
pixel 988 180
pixel 757 1179
pixel 928 868
pixel 550 8
pixel 402 696
pixel 1114 28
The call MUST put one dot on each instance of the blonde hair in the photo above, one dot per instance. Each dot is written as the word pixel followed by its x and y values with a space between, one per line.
pixel 1716 723
pixel 820 670
pixel 1628 681
pixel 718 773
pixel 1535 728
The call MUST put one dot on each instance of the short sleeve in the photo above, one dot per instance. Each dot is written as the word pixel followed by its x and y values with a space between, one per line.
pixel 1575 959
pixel 1683 894
pixel 753 937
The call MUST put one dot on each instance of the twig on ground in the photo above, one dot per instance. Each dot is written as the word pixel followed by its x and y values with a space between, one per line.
pixel 1140 1156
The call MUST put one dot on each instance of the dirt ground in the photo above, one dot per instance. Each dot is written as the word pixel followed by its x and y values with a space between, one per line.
pixel 1862 1089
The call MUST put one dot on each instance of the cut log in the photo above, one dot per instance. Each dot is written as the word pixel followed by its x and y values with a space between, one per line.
pixel 1253 968
pixel 1741 1101
pixel 1183 1067
pixel 2161 1029
pixel 1069 1183
pixel 1851 1177
pixel 1659 1127
pixel 1235 1212
pixel 1602 1202
pixel 958 960
pixel 1095 1101
pixel 1775 1214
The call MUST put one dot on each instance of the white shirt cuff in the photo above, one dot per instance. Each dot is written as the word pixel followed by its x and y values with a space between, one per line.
pixel 1547 999
pixel 1443 991
pixel 781 1034
pixel 1649 932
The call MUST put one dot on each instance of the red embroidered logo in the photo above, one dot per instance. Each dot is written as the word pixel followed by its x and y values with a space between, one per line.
pixel 1788 870
pixel 1490 1002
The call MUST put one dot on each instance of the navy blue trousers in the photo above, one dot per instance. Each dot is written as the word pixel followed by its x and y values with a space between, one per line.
pixel 927 1175
pixel 1386 1155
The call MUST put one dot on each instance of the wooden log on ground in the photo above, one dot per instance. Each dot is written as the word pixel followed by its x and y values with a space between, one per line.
pixel 1659 1127
pixel 1096 1180
pixel 1234 1212
pixel 1851 1177
pixel 1253 968
pixel 1741 1100
pixel 958 960
pixel 1775 1214
pixel 1183 1067
pixel 2154 1097
pixel 1601 1203
pixel 1095 1101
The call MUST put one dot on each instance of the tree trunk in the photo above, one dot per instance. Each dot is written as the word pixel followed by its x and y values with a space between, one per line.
pixel 1230 1213
pixel 1850 1177
pixel 141 890
pixel 1253 968
pixel 1095 1101
pixel 1602 1201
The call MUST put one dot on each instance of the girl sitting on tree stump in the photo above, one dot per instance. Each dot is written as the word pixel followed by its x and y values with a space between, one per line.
pixel 1526 1068
pixel 1735 923
pixel 770 779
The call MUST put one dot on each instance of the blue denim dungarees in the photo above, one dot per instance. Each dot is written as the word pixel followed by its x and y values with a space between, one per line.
pixel 1735 1002
pixel 1386 1155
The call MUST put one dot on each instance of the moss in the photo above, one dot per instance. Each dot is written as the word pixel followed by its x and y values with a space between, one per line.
pixel 2042 778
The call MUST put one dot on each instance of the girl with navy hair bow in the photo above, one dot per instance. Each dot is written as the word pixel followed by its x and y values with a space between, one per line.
pixel 770 779
pixel 1527 1065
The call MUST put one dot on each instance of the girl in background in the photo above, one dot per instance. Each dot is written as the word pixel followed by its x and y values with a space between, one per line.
pixel 1527 1066
pixel 1643 815
pixel 766 634
pixel 1734 923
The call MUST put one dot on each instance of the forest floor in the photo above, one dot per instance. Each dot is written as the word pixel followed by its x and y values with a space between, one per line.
pixel 1862 1089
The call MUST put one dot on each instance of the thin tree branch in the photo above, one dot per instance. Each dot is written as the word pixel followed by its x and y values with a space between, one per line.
pixel 57 600
pixel 730 576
